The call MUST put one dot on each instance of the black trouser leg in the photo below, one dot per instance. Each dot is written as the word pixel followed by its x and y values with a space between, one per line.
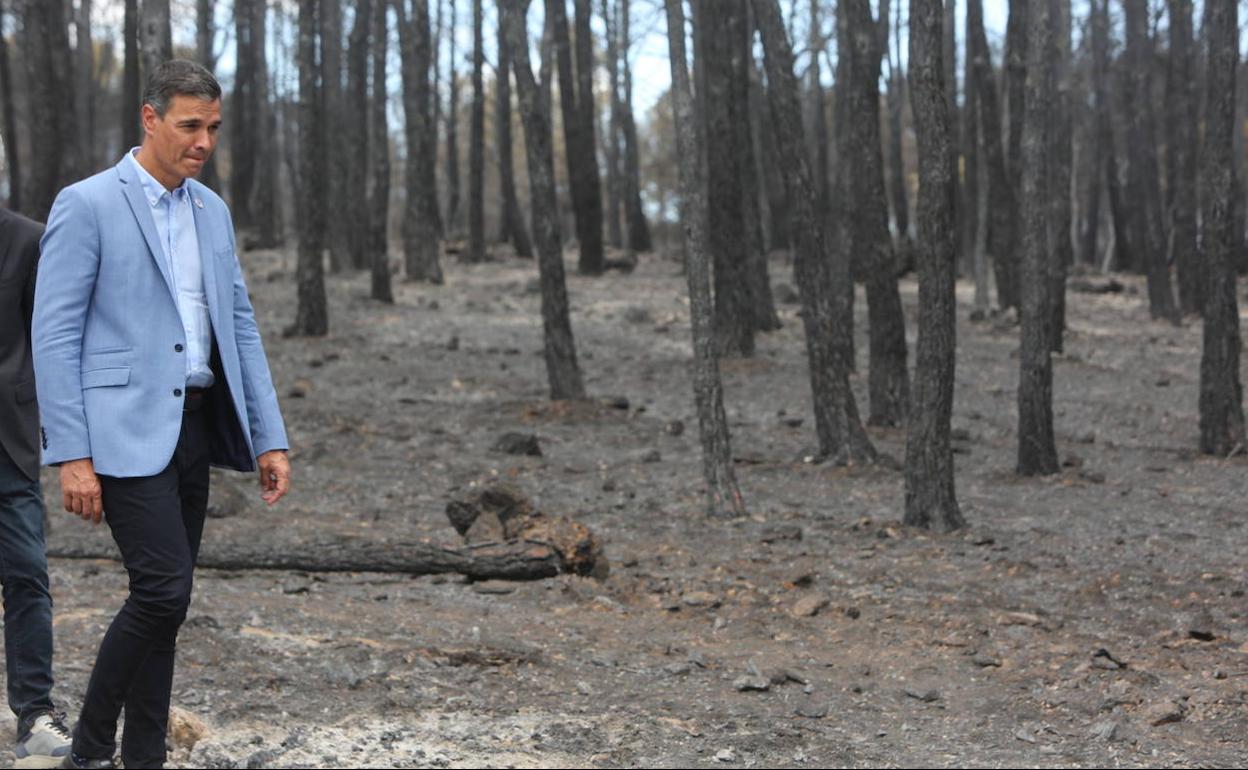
pixel 156 522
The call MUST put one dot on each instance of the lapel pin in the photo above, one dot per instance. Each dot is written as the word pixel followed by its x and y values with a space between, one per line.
pixel 199 203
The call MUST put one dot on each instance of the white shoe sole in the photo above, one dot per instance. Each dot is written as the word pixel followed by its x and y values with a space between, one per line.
pixel 37 761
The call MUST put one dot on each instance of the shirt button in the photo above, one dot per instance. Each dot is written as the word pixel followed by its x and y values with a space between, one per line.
pixel 177 392
pixel 177 348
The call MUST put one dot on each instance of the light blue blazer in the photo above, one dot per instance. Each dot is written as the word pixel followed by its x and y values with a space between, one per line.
pixel 108 343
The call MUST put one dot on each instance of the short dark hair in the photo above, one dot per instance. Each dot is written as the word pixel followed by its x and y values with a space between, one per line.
pixel 179 77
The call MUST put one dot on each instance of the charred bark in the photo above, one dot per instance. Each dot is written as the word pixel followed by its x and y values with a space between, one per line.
pixel 560 349
pixel 821 277
pixel 723 495
pixel 312 316
pixel 931 501
pixel 420 234
pixel 1221 393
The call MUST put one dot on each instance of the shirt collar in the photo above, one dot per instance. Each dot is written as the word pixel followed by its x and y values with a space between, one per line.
pixel 153 190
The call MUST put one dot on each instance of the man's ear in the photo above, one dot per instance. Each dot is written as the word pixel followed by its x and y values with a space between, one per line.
pixel 149 118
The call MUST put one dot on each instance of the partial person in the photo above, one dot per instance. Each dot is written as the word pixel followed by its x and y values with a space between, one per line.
pixel 150 369
pixel 42 739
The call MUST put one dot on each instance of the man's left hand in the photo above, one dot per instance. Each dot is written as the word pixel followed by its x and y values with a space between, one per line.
pixel 274 475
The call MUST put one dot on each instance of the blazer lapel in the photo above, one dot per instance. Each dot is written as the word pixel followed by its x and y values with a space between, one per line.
pixel 213 281
pixel 133 190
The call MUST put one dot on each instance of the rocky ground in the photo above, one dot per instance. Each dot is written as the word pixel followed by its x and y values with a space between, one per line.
pixel 1095 618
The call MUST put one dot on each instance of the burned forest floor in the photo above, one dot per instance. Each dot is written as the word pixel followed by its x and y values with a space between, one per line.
pixel 1095 618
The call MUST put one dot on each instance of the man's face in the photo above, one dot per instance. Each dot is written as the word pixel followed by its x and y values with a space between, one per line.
pixel 182 141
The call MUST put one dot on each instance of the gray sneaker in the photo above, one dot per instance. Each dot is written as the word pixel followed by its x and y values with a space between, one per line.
pixel 46 744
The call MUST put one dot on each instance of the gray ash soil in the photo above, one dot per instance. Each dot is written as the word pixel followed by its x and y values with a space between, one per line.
pixel 1057 630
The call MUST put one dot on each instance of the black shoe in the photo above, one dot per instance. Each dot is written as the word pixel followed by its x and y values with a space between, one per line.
pixel 72 760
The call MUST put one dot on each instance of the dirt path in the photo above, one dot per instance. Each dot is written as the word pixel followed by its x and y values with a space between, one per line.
pixel 1055 631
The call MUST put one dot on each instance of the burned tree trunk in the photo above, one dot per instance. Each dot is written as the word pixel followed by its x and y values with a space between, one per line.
pixel 476 141
pixel 452 224
pixel 50 86
pixel 721 34
pixel 420 235
pixel 357 137
pixel 1037 452
pixel 12 160
pixel 1003 210
pixel 1061 250
pixel 611 140
pixel 895 101
pixel 1181 119
pixel 155 34
pixel 723 495
pixel 378 242
pixel 1144 226
pixel 131 87
pixel 511 223
pixel 592 261
pixel 335 146
pixel 638 228
pixel 821 277
pixel 312 317
pixel 866 209
pixel 205 33
pixel 1221 393
pixel 561 368
pixel 931 501
pixel 582 161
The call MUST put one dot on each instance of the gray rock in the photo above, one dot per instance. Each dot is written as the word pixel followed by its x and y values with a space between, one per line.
pixel 518 444
pixel 812 709
pixel 752 684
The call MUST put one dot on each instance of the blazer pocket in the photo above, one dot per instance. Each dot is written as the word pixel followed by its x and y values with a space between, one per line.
pixel 25 392
pixel 103 378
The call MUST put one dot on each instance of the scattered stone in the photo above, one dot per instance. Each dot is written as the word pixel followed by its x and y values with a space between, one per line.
pixel 700 599
pixel 786 294
pixel 185 729
pixel 300 389
pixel 775 532
pixel 609 485
pixel 264 758
pixel 1104 659
pixel 853 613
pixel 725 755
pixel 674 427
pixel 926 696
pixel 678 669
pixel 1025 735
pixel 752 684
pixel 1105 730
pixel 809 606
pixel 638 315
pixel 697 659
pixel 986 661
pixel 615 402
pixel 1163 382
pixel 793 422
pixel 1200 626
pixel 1090 286
pixel 494 587
pixel 518 444
pixel 453 343
pixel 811 709
pixel 1166 713
pixel 959 434
pixel 652 456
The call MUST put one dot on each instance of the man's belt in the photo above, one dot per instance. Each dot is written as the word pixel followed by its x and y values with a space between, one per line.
pixel 194 399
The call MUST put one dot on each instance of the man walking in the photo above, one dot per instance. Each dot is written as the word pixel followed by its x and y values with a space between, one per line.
pixel 42 740
pixel 149 368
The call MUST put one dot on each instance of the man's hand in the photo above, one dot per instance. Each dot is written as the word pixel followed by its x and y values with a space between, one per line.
pixel 80 490
pixel 274 475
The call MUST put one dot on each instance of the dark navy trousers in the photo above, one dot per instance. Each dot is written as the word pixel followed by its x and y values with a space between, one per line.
pixel 157 522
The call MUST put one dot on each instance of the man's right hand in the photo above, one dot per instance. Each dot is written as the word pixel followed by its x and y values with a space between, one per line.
pixel 80 490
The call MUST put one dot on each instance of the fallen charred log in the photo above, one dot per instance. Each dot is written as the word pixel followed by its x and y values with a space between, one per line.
pixel 506 538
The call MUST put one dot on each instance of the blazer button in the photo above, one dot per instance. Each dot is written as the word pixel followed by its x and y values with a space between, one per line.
pixel 177 392
pixel 177 348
